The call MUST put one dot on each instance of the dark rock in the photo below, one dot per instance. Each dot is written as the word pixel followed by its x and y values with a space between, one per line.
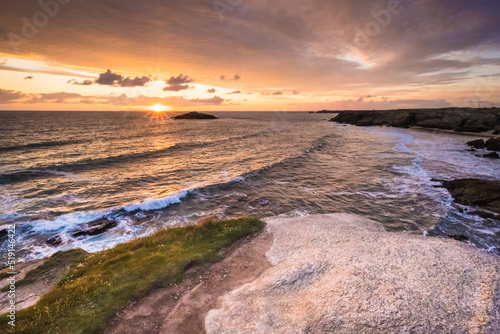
pixel 496 132
pixel 458 237
pixel 440 120
pixel 478 122
pixel 485 215
pixel 370 118
pixel 478 143
pixel 493 144
pixel 3 233
pixel 466 119
pixel 54 241
pixel 96 227
pixel 492 155
pixel 483 193
pixel 195 115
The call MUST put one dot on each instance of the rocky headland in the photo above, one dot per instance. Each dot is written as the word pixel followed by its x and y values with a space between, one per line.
pixel 457 119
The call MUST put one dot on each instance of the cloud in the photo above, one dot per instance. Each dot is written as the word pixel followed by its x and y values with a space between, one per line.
pixel 137 81
pixel 61 97
pixel 175 84
pixel 235 92
pixel 361 104
pixel 175 87
pixel 108 78
pixel 430 46
pixel 175 101
pixel 235 77
pixel 180 79
pixel 295 92
pixel 9 96
pixel 211 90
pixel 28 77
pixel 85 82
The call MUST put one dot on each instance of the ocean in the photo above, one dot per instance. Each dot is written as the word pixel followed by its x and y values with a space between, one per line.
pixel 143 172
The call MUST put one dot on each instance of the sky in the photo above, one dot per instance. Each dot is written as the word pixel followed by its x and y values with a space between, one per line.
pixel 247 55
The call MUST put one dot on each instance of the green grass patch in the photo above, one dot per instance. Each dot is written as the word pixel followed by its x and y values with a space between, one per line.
pixel 60 259
pixel 103 283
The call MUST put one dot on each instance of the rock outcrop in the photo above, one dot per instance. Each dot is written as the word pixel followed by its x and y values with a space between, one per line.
pixel 478 143
pixel 493 144
pixel 194 115
pixel 465 120
pixel 474 192
pixel 95 227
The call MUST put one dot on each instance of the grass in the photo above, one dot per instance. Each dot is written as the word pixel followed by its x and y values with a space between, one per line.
pixel 103 283
pixel 60 259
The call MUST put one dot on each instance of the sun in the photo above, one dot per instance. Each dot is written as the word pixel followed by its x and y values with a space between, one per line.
pixel 158 107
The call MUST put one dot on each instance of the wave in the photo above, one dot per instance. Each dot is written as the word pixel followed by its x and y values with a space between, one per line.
pixel 42 145
pixel 86 164
pixel 72 220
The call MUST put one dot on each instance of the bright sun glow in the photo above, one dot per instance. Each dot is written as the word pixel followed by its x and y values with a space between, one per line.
pixel 159 108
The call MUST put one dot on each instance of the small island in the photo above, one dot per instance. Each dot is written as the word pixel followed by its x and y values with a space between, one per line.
pixel 195 115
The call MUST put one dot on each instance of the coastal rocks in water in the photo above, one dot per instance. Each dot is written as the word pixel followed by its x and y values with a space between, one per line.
pixel 492 155
pixel 194 115
pixel 466 119
pixel 483 193
pixel 96 227
pixel 478 143
pixel 54 241
pixel 493 144
pixel 346 274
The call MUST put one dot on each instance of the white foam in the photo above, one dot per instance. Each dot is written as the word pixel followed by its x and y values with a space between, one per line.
pixel 158 203
pixel 72 220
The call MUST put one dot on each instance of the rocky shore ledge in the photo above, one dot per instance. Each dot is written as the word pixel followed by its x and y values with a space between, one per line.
pixel 457 119
pixel 343 273
pixel 338 273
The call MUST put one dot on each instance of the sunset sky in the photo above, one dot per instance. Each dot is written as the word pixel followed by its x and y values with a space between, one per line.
pixel 248 55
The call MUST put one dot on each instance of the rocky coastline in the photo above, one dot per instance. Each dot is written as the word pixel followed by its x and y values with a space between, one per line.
pixel 456 119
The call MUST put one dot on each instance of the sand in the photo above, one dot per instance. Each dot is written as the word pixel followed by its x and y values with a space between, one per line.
pixel 343 273
pixel 182 308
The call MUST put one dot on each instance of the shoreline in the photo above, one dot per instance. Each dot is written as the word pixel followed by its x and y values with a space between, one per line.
pixel 343 269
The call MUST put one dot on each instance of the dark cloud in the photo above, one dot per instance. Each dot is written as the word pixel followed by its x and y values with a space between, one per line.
pixel 9 96
pixel 236 77
pixel 295 92
pixel 137 81
pixel 180 79
pixel 175 87
pixel 211 90
pixel 235 92
pixel 178 83
pixel 28 77
pixel 108 78
pixel 309 45
pixel 278 93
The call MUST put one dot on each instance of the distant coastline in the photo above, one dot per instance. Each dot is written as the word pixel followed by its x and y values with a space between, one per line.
pixel 475 120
